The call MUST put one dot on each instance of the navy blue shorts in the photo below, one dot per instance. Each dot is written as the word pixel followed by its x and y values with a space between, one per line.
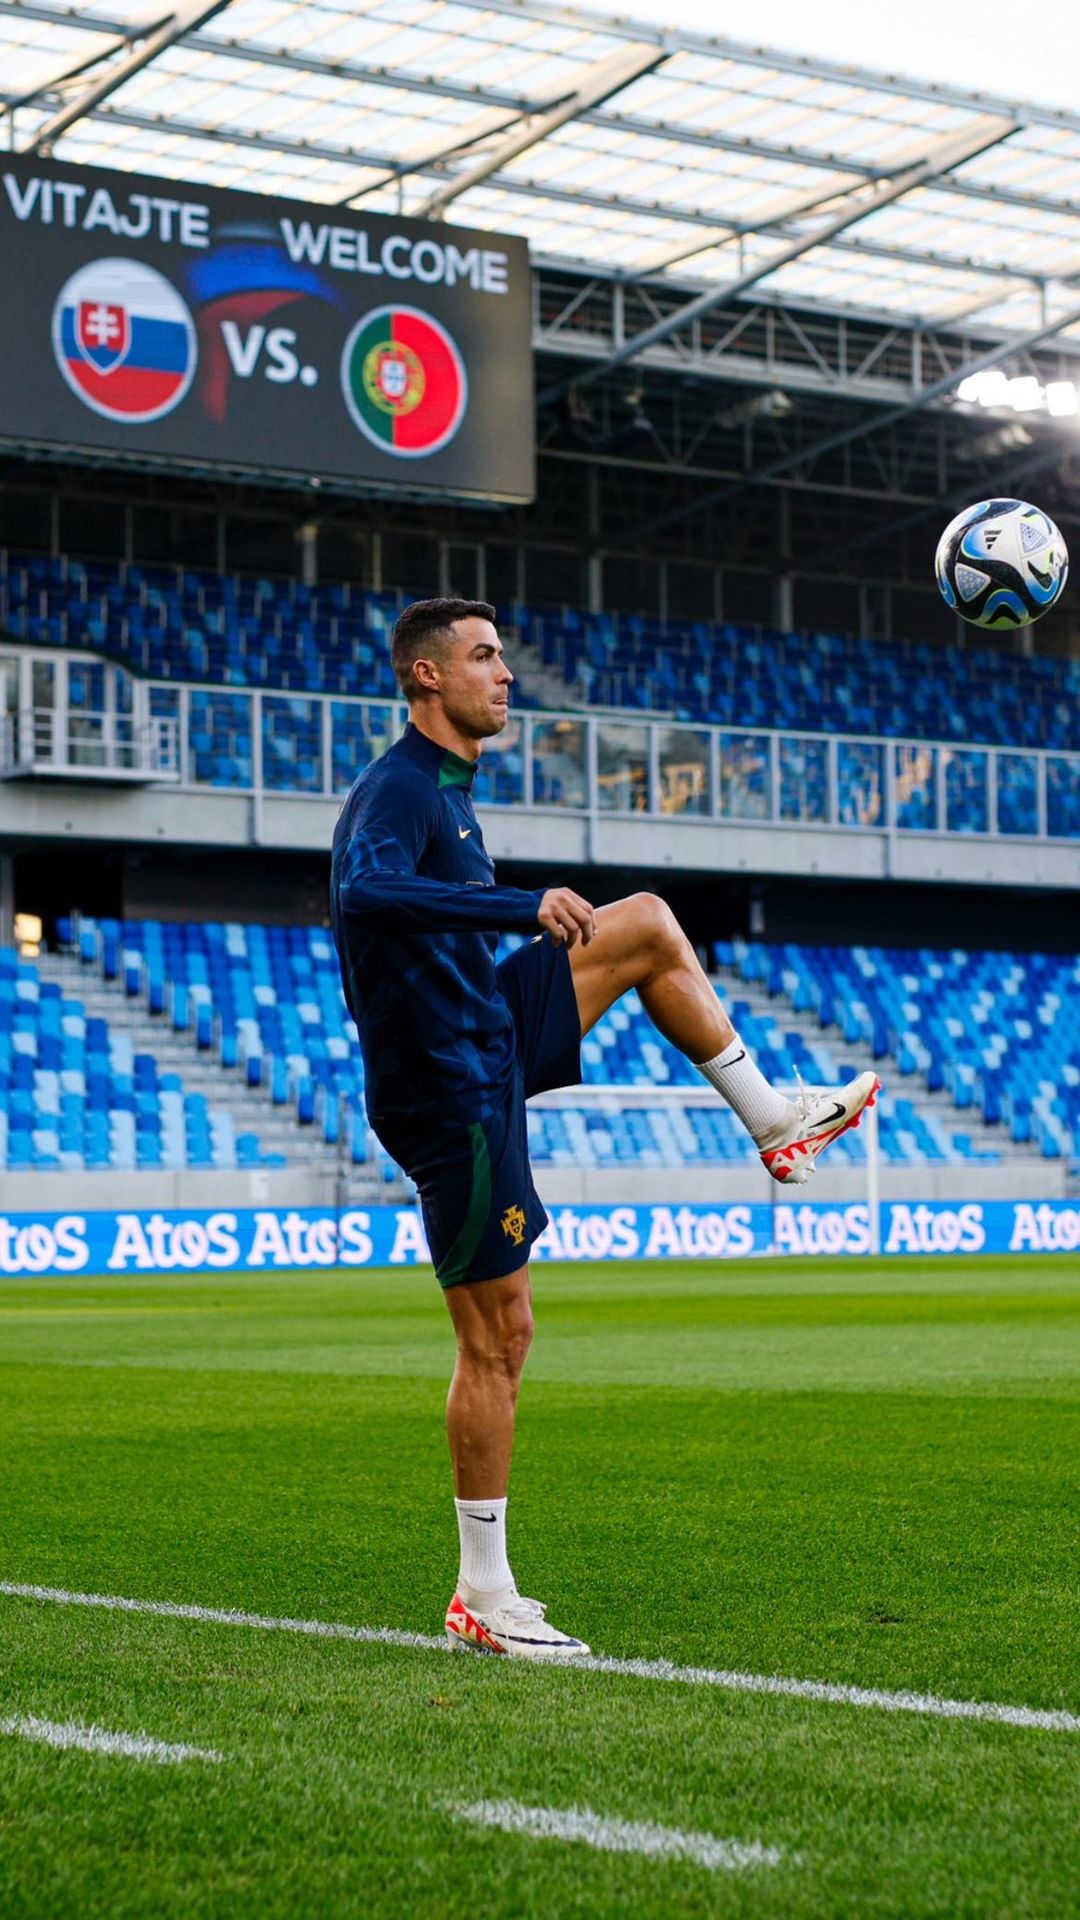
pixel 481 1210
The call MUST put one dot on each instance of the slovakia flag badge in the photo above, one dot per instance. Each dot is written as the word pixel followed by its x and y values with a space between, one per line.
pixel 124 341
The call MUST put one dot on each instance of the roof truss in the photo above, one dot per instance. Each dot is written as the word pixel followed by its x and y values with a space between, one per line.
pixel 854 206
pixel 136 46
pixel 744 145
pixel 604 80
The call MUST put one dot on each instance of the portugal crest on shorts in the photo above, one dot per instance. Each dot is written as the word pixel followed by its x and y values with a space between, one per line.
pixel 404 382
pixel 513 1224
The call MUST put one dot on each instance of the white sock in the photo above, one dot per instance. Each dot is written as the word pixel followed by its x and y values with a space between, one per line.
pixel 485 1575
pixel 761 1109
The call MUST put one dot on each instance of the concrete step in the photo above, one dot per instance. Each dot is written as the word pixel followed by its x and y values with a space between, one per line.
pixel 276 1129
pixel 542 683
pixel 908 1086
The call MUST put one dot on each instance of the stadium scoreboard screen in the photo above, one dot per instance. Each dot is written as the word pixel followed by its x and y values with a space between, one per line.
pixel 273 337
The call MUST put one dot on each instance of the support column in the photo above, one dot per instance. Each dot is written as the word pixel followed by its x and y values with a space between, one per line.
pixel 784 608
pixel 785 602
pixel 7 900
pixel 594 561
pixel 307 540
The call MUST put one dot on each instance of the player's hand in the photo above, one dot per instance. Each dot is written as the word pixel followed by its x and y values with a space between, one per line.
pixel 566 916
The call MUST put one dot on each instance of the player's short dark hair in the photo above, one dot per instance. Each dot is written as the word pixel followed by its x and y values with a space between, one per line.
pixel 424 628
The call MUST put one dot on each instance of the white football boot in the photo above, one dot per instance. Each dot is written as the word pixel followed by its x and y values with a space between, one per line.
pixel 516 1627
pixel 791 1151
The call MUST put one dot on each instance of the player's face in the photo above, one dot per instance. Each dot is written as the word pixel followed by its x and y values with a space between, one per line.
pixel 476 680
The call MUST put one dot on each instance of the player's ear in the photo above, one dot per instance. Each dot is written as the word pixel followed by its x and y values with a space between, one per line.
pixel 426 675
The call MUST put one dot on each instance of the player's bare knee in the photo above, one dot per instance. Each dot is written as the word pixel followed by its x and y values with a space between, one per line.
pixel 659 929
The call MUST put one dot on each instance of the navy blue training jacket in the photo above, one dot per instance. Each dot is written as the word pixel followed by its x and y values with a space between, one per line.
pixel 416 916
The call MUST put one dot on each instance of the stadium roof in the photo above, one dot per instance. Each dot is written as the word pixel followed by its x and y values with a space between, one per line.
pixel 616 147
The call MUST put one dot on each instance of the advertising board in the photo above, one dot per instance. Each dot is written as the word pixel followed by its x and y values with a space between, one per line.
pixel 261 1239
pixel 203 327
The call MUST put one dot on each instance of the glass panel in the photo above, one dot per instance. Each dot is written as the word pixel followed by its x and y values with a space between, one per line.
pixel 860 777
pixel 622 768
pixel 219 738
pixel 500 776
pixel 804 779
pixel 1063 797
pixel 86 686
pixel 9 712
pixel 916 787
pixel 86 716
pixel 358 735
pixel 1017 793
pixel 165 728
pixel 122 690
pixel 965 791
pixel 684 770
pixel 744 776
pixel 559 763
pixel 291 744
pixel 42 700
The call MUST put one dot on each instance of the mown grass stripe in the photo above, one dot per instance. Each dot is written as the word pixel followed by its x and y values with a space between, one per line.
pixel 823 1692
pixel 608 1835
pixel 67 1734
pixel 229 1617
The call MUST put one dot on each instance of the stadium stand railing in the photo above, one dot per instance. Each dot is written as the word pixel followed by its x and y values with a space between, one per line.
pixel 84 718
pixel 176 623
pixel 733 722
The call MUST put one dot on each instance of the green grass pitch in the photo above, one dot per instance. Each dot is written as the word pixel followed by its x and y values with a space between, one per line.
pixel 862 1473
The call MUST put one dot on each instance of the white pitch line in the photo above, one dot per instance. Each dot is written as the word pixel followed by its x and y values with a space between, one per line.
pixel 618 1836
pixel 230 1617
pixel 129 1746
pixel 824 1692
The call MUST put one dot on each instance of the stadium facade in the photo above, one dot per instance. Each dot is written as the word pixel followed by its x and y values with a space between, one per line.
pixel 776 328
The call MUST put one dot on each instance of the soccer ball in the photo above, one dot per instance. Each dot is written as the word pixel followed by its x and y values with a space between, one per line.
pixel 1001 563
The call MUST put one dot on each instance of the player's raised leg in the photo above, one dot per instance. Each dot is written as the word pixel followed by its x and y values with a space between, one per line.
pixel 494 1327
pixel 638 943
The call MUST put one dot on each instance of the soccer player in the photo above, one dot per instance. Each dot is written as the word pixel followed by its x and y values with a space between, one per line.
pixel 454 1045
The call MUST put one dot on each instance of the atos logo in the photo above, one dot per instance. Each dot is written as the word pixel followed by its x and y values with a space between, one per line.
pixel 124 341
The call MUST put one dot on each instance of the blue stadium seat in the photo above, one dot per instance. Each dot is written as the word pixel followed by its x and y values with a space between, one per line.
pixel 184 624
pixel 1000 1033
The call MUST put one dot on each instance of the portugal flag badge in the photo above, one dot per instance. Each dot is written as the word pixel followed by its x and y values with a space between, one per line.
pixel 404 381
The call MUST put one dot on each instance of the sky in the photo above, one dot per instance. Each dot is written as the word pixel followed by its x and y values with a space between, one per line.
pixel 993 46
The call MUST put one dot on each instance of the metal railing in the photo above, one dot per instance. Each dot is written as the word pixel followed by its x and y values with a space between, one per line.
pixel 589 762
pixel 601 764
pixel 88 744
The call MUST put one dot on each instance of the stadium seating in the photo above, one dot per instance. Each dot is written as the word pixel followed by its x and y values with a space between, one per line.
pixel 180 624
pixel 75 1095
pixel 754 677
pixel 999 1033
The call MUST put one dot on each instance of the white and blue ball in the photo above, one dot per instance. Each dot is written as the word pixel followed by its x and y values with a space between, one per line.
pixel 1001 563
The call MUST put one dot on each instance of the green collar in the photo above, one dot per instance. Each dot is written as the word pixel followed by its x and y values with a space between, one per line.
pixel 456 772
pixel 446 769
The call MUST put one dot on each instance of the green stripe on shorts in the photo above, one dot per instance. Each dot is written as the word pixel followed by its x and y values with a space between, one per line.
pixel 456 1265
